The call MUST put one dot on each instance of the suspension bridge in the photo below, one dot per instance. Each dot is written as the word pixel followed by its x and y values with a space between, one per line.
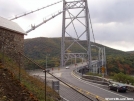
pixel 76 29
pixel 74 14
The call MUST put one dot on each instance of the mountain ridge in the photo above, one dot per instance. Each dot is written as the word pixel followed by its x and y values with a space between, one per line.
pixel 39 48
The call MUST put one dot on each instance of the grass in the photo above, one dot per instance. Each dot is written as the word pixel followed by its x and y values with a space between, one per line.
pixel 33 85
pixel 94 74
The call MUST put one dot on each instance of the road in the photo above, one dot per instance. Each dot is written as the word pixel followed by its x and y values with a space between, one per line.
pixel 85 87
pixel 97 89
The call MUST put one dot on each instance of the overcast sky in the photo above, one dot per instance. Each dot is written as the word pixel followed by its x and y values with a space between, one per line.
pixel 112 20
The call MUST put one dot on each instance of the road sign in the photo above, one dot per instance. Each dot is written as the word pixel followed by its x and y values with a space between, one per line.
pixel 103 69
pixel 55 85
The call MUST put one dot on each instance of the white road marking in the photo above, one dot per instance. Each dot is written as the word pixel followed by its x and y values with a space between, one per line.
pixel 64 98
pixel 96 86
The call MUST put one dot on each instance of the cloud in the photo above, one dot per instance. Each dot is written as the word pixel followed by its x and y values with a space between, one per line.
pixel 112 20
pixel 120 45
pixel 8 8
pixel 114 31
pixel 106 11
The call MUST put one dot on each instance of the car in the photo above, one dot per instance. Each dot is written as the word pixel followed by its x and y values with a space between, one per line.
pixel 117 87
pixel 67 67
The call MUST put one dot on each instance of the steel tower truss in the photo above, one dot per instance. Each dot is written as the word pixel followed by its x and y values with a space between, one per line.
pixel 75 31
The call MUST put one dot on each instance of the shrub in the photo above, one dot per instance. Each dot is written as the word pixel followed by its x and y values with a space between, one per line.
pixel 124 78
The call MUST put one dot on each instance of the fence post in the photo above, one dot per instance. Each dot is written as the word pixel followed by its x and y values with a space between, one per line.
pixel 45 83
pixel 19 66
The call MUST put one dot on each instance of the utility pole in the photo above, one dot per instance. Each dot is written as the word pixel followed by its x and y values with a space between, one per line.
pixel 46 61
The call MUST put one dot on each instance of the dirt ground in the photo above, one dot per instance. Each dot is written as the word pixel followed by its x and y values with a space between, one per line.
pixel 11 89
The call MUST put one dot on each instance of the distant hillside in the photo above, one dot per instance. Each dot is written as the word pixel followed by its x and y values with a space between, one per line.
pixel 38 48
pixel 131 52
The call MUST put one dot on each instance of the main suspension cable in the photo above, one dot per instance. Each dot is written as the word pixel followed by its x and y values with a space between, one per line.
pixel 91 26
pixel 33 27
pixel 34 11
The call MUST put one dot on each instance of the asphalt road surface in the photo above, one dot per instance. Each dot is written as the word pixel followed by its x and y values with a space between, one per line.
pixel 96 89
pixel 85 87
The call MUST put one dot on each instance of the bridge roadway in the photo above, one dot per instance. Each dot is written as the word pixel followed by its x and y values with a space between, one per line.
pixel 83 86
pixel 97 89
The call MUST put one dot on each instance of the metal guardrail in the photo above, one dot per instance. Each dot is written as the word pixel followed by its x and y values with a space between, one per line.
pixel 103 81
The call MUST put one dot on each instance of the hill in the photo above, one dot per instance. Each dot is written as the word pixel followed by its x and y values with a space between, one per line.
pixel 131 52
pixel 17 85
pixel 38 48
pixel 11 89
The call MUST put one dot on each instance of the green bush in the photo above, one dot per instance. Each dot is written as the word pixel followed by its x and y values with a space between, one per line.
pixel 124 78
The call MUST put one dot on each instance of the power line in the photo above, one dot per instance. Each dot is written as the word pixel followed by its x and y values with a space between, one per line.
pixel 34 11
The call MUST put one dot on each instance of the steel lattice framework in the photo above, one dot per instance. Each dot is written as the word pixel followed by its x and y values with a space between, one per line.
pixel 77 18
pixel 77 37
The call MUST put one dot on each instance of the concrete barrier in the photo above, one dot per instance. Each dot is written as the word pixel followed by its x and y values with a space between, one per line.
pixel 104 81
pixel 95 79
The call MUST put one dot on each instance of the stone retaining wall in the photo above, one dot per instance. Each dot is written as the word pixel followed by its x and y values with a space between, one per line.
pixel 14 41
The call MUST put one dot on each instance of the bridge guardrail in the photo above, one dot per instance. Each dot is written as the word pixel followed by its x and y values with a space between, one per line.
pixel 75 71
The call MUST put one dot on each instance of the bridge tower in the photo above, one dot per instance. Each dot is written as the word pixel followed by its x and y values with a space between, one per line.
pixel 75 41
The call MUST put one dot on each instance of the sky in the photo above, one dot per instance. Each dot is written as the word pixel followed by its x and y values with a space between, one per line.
pixel 112 20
